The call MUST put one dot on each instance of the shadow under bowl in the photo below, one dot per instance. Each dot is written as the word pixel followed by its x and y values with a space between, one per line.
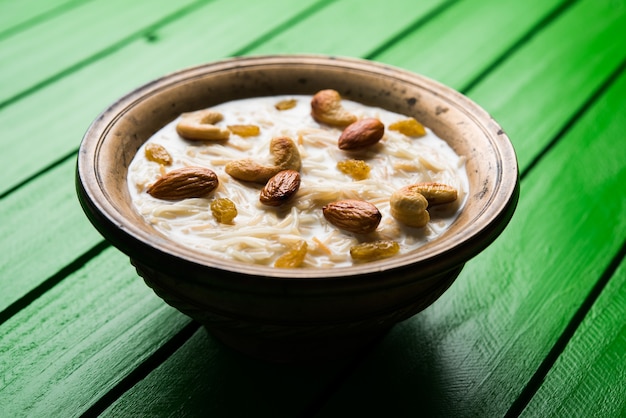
pixel 297 314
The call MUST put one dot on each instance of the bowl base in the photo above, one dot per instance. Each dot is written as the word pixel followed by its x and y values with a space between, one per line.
pixel 302 339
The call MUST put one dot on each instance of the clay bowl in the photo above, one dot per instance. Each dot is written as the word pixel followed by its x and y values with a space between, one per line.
pixel 297 314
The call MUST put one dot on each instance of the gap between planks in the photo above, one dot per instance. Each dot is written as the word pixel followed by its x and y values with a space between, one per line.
pixel 56 11
pixel 104 52
pixel 546 365
pixel 165 351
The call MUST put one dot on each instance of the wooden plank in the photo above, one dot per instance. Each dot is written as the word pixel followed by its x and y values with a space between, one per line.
pixel 571 64
pixel 79 339
pixel 467 39
pixel 373 391
pixel 43 229
pixel 42 220
pixel 231 385
pixel 186 42
pixel 474 350
pixel 87 325
pixel 64 233
pixel 27 64
pixel 589 378
pixel 349 28
pixel 16 15
pixel 452 58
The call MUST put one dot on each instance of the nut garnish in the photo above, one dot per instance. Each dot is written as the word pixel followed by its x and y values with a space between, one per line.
pixel 286 157
pixel 184 183
pixel 357 216
pixel 436 193
pixel 200 125
pixel 408 127
pixel 408 206
pixel 280 188
pixel 361 134
pixel 158 154
pixel 326 108
pixel 285 152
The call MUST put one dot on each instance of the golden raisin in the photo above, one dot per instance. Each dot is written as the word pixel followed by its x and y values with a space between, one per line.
pixel 408 127
pixel 376 250
pixel 294 257
pixel 224 210
pixel 158 154
pixel 286 104
pixel 244 130
pixel 357 169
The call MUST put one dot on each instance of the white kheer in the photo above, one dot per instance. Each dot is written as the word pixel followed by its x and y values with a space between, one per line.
pixel 260 234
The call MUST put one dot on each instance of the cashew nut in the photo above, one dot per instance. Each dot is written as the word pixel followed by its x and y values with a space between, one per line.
pixel 285 155
pixel 436 193
pixel 408 206
pixel 285 152
pixel 326 108
pixel 200 125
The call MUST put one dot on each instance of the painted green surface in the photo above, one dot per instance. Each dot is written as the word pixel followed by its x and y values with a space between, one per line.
pixel 43 229
pixel 472 353
pixel 465 40
pixel 552 76
pixel 350 28
pixel 202 376
pixel 589 379
pixel 27 64
pixel 89 90
pixel 82 337
pixel 474 350
pixel 16 16
pixel 64 233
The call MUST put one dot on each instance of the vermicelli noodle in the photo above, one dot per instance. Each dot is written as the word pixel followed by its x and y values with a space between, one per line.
pixel 260 234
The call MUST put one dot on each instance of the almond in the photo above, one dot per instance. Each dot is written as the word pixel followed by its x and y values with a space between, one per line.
pixel 280 188
pixel 184 183
pixel 360 134
pixel 357 216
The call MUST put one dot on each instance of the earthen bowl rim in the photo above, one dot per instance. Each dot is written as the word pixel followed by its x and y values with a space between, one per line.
pixel 441 254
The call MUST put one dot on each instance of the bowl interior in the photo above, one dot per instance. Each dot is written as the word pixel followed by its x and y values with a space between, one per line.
pixel 113 139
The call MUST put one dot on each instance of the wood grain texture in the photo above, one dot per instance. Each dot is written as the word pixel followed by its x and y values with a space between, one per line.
pixel 465 40
pixel 410 372
pixel 43 230
pixel 19 15
pixel 82 337
pixel 90 89
pixel 348 28
pixel 202 376
pixel 27 64
pixel 554 74
pixel 589 378
pixel 474 350
pixel 63 233
pixel 470 354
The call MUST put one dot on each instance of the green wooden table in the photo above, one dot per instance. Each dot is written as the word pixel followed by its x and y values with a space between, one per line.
pixel 535 325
